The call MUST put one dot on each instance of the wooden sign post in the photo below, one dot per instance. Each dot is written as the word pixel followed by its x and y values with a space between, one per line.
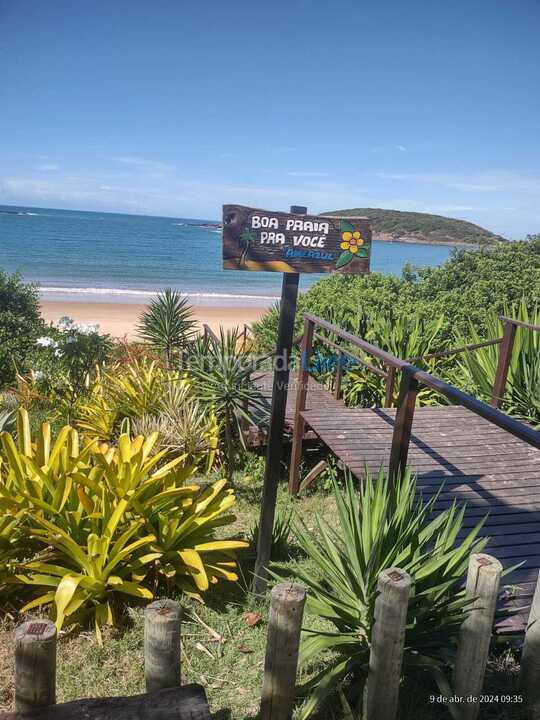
pixel 290 243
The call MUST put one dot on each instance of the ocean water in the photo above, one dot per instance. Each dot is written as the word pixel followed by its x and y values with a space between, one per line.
pixel 104 257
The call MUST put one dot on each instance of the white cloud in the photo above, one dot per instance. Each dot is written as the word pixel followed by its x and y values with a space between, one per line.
pixel 170 194
pixel 388 149
pixel 48 167
pixel 491 181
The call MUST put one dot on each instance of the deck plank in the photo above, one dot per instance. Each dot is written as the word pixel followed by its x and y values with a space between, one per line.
pixel 318 398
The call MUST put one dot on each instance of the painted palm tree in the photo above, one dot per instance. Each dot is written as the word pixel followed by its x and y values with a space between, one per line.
pixel 246 238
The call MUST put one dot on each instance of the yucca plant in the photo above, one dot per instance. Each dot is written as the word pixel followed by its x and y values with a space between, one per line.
pixel 476 370
pixel 222 380
pixel 384 525
pixel 280 533
pixel 167 325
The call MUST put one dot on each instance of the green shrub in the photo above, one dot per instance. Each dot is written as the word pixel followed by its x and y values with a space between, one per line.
pixel 20 325
pixel 383 526
pixel 144 398
pixel 66 360
pixel 476 371
pixel 405 336
pixel 464 290
pixel 184 427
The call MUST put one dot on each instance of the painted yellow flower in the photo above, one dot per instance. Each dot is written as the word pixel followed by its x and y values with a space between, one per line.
pixel 351 241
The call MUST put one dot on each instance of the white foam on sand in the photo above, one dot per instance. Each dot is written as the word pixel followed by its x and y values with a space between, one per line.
pixel 126 295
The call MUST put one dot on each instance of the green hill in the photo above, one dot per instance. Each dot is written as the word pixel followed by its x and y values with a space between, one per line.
pixel 397 225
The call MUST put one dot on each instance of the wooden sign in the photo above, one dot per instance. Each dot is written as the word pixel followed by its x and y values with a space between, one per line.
pixel 289 243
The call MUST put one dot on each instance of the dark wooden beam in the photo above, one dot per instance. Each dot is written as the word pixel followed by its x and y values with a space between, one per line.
pixel 390 384
pixel 301 393
pixel 184 703
pixel 401 437
pixel 505 357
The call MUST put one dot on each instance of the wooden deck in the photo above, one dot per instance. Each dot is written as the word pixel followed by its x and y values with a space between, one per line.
pixel 318 399
pixel 490 469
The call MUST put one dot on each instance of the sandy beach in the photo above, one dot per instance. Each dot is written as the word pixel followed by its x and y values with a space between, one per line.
pixel 120 319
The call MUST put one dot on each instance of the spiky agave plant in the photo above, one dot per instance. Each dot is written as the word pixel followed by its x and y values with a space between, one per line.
pixel 168 325
pixel 221 375
pixel 384 525
pixel 280 533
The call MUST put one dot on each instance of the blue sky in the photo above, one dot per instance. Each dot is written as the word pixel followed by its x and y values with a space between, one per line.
pixel 175 107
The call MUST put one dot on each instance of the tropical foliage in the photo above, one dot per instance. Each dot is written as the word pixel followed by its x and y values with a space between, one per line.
pixel 463 290
pixel 476 371
pixel 384 525
pixel 86 525
pixel 404 336
pixel 221 372
pixel 146 398
pixel 167 325
pixel 20 326
pixel 65 362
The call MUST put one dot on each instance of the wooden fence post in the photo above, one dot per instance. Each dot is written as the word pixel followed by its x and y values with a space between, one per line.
pixel 162 630
pixel 282 645
pixel 339 377
pixel 381 693
pixel 530 658
pixel 505 357
pixel 35 665
pixel 401 437
pixel 483 580
pixel 390 383
pixel 301 392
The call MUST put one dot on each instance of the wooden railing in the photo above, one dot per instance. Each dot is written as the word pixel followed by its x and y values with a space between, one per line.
pixel 209 333
pixel 505 355
pixel 244 335
pixel 412 378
